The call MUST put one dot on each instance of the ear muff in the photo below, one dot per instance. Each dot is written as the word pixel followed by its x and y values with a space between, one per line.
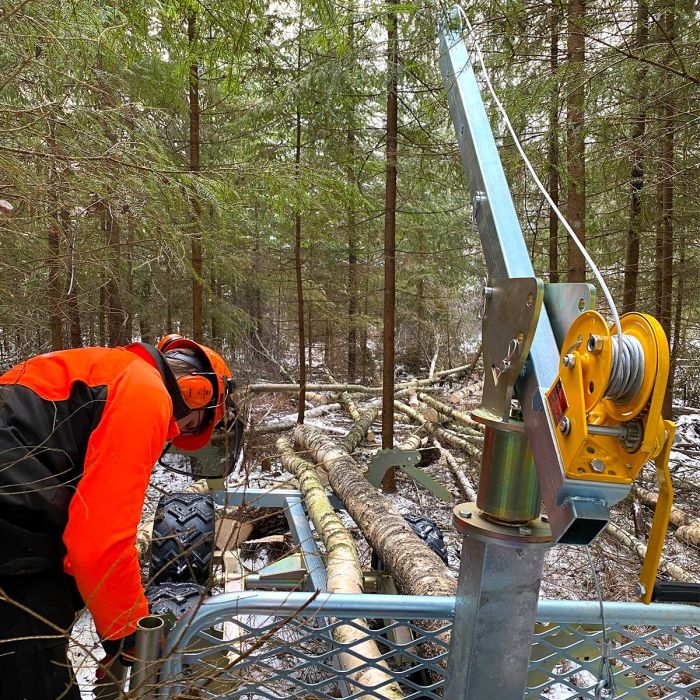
pixel 196 389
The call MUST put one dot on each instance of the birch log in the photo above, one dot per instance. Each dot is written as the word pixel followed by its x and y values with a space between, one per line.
pixel 461 443
pixel 363 422
pixel 359 388
pixel 344 576
pixel 465 485
pixel 415 568
pixel 640 549
pixel 459 416
pixel 688 527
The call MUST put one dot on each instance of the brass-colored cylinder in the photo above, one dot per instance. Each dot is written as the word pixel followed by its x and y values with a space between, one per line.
pixel 509 490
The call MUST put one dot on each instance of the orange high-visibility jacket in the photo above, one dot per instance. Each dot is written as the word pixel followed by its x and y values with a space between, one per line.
pixel 80 431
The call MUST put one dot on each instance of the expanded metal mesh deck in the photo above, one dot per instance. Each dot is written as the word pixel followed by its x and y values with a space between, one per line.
pixel 276 645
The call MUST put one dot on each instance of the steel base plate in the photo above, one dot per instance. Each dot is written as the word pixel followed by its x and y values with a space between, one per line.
pixel 468 520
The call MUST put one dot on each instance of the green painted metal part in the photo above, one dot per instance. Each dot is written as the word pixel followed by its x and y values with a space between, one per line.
pixel 406 460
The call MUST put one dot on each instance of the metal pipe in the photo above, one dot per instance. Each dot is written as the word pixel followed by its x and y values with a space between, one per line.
pixel 144 674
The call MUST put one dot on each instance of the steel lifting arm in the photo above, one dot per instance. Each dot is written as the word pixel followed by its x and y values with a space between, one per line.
pixel 544 345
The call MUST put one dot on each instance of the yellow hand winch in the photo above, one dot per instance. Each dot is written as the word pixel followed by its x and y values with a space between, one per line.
pixel 606 407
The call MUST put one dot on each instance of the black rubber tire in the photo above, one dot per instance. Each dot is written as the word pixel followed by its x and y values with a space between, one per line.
pixel 173 599
pixel 183 539
pixel 429 532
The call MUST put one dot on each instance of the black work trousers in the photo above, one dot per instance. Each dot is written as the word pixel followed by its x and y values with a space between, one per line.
pixel 33 654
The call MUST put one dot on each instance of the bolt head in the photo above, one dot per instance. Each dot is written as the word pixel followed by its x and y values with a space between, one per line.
pixel 464 513
pixel 564 426
pixel 595 343
pixel 569 360
pixel 597 466
pixel 488 292
pixel 525 530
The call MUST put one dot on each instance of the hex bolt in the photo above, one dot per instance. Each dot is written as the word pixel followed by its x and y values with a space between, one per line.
pixel 564 426
pixel 488 292
pixel 595 343
pixel 464 513
pixel 598 466
pixel 569 360
pixel 525 531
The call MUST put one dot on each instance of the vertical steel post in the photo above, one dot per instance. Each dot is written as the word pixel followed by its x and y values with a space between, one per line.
pixel 144 674
pixel 501 564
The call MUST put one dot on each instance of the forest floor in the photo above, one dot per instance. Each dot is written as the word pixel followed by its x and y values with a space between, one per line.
pixel 567 573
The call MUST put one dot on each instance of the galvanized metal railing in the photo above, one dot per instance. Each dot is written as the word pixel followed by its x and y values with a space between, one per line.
pixel 277 645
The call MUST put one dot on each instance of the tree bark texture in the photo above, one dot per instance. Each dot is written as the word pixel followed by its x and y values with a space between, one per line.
pixel 575 139
pixel 54 244
pixel 553 142
pixel 297 251
pixel 631 278
pixel 470 445
pixel 389 483
pixel 344 573
pixel 688 527
pixel 459 416
pixel 640 549
pixel 415 568
pixel 195 141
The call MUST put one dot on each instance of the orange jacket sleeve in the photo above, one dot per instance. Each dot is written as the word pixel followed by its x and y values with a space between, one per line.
pixel 104 513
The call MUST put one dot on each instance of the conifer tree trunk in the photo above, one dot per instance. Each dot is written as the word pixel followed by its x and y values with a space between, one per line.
pixel 352 224
pixel 629 294
pixel 553 142
pixel 115 310
pixel 667 174
pixel 54 245
pixel 575 139
pixel 76 335
pixel 195 140
pixel 389 483
pixel 297 246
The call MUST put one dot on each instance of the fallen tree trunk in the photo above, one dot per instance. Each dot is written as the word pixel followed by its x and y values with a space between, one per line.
pixel 640 549
pixel 288 422
pixel 358 388
pixel 344 576
pixel 688 527
pixel 363 423
pixel 459 416
pixel 461 478
pixel 415 568
pixel 439 432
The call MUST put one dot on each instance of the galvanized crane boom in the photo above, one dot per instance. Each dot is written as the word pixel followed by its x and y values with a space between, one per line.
pixel 573 437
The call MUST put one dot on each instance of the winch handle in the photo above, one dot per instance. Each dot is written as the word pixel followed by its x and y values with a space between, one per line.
pixel 659 525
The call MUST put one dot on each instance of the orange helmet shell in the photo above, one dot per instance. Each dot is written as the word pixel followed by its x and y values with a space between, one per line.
pixel 218 365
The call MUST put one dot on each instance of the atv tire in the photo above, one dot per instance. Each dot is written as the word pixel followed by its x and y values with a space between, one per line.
pixel 173 599
pixel 183 539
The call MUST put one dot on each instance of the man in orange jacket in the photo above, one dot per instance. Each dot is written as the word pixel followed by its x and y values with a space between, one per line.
pixel 80 431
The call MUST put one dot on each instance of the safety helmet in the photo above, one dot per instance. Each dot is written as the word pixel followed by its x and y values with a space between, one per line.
pixel 206 387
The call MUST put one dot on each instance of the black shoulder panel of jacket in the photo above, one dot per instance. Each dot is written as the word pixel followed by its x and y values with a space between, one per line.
pixel 43 445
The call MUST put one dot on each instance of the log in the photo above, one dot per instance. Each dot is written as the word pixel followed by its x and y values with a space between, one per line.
pixel 344 576
pixel 461 478
pixel 359 388
pixel 463 444
pixel 358 431
pixel 415 568
pixel 688 527
pixel 640 549
pixel 345 399
pixel 459 416
pixel 289 421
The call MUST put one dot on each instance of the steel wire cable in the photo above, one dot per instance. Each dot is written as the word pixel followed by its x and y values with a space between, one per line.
pixel 531 170
pixel 627 369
